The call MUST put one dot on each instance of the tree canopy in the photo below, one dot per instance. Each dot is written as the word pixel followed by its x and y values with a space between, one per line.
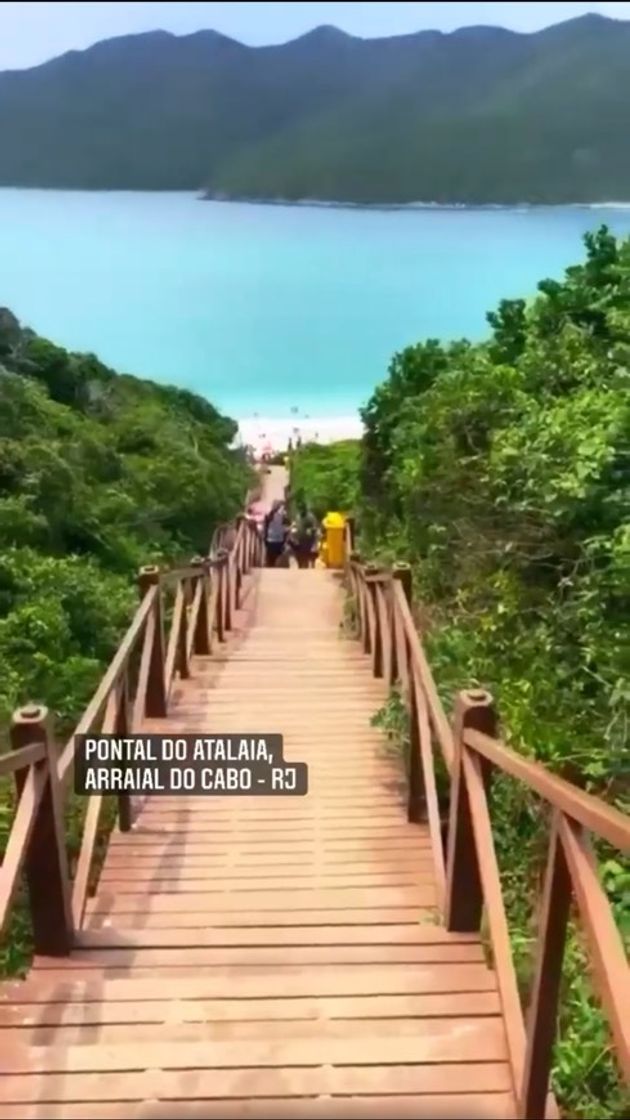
pixel 99 473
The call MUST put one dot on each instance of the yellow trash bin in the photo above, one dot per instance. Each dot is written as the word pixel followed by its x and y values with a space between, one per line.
pixel 335 553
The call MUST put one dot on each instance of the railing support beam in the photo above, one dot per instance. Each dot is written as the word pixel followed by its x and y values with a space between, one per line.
pixel 156 705
pixel 46 863
pixel 376 639
pixel 398 663
pixel 542 1015
pixel 201 636
pixel 464 894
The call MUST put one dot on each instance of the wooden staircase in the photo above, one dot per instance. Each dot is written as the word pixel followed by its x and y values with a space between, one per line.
pixel 298 957
pixel 265 957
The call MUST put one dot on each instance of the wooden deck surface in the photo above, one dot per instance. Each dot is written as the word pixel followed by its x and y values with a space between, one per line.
pixel 266 957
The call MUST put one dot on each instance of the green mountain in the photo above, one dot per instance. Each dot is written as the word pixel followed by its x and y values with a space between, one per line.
pixel 481 115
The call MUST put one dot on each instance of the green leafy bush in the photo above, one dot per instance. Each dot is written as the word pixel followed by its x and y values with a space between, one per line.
pixel 326 475
pixel 99 473
pixel 502 472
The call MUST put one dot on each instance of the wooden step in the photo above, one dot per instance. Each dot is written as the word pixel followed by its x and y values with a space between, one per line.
pixel 409 933
pixel 435 1041
pixel 440 1106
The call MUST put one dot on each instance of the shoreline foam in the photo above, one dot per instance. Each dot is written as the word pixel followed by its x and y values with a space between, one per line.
pixel 274 433
pixel 412 206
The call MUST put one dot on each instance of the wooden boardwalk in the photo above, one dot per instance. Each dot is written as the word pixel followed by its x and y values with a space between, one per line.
pixel 266 957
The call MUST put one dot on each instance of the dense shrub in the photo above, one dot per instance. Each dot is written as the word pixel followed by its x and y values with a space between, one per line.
pixel 99 473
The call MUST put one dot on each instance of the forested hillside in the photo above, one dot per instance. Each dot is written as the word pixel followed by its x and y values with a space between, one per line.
pixel 502 472
pixel 99 473
pixel 481 115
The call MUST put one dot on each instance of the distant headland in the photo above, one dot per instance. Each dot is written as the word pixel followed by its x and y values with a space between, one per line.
pixel 481 116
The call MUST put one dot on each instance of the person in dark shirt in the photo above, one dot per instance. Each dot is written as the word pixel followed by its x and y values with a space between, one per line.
pixel 304 538
pixel 275 530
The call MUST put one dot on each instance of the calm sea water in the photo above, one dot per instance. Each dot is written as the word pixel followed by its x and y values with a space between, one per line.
pixel 267 308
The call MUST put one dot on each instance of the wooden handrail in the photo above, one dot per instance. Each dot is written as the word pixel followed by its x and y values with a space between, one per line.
pixel 471 885
pixel 19 837
pixel 21 759
pixel 585 809
pixel 138 680
pixel 112 675
pixel 422 669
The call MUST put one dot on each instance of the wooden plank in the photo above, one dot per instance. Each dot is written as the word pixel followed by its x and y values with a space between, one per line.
pixel 168 1085
pixel 288 899
pixel 258 821
pixel 273 856
pixel 338 787
pixel 136 843
pixel 240 919
pixel 232 862
pixel 241 878
pixel 70 1038
pixel 442 1106
pixel 254 955
pixel 283 830
pixel 159 1012
pixel 307 808
pixel 316 882
pixel 410 933
pixel 446 1041
pixel 327 980
pixel 237 1030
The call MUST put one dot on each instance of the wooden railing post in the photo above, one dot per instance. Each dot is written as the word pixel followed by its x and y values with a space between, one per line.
pixel 121 727
pixel 201 636
pixel 376 639
pixel 416 796
pixel 363 594
pixel 149 576
pixel 352 536
pixel 226 576
pixel 46 863
pixel 182 660
pixel 238 587
pixel 542 1015
pixel 399 670
pixel 464 896
pixel 355 588
pixel 401 572
pixel 219 611
pixel 242 525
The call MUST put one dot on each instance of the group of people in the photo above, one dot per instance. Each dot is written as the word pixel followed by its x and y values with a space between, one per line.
pixel 285 537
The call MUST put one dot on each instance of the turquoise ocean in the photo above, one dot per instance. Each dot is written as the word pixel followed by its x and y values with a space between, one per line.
pixel 269 309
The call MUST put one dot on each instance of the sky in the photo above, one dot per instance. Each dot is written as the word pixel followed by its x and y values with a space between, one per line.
pixel 31 32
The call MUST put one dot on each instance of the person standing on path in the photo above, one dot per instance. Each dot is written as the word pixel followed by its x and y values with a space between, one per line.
pixel 275 528
pixel 303 539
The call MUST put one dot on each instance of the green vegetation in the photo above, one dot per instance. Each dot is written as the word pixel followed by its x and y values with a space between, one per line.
pixel 501 471
pixel 481 115
pixel 327 476
pixel 99 473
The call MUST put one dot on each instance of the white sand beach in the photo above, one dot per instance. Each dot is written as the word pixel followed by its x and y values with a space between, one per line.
pixel 274 433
